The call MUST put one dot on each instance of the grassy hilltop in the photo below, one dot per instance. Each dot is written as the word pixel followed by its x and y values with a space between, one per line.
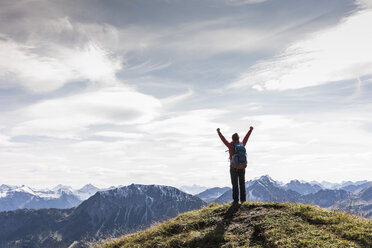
pixel 254 224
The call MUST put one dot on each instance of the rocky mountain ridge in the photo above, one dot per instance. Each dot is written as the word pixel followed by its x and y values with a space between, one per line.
pixel 107 213
pixel 266 189
pixel 211 194
pixel 61 196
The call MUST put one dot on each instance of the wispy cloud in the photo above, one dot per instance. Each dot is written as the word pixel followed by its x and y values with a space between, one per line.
pixel 146 67
pixel 305 144
pixel 67 117
pixel 242 2
pixel 338 53
pixel 20 64
pixel 116 135
pixel 174 99
pixel 4 140
pixel 364 3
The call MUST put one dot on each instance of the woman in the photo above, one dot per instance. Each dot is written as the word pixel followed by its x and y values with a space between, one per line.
pixel 237 171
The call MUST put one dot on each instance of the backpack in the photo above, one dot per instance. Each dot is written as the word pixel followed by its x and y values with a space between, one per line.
pixel 239 159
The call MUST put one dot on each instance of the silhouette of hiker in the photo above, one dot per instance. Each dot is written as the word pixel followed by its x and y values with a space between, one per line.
pixel 237 163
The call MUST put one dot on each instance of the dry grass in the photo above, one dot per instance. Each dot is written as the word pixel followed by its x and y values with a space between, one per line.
pixel 254 224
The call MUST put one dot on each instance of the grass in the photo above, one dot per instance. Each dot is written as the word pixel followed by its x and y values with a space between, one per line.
pixel 254 224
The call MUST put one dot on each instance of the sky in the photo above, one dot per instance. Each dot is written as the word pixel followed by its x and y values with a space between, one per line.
pixel 118 92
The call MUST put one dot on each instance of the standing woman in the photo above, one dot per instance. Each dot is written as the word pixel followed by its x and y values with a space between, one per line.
pixel 237 163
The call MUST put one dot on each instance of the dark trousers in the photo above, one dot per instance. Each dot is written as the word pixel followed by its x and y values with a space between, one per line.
pixel 238 181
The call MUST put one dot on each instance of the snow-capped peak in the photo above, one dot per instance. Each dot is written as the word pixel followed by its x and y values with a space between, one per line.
pixel 193 189
pixel 148 190
pixel 24 189
pixel 86 191
pixel 63 188
pixel 4 187
pixel 88 188
pixel 266 178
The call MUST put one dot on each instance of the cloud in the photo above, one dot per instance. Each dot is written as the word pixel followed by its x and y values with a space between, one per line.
pixel 193 122
pixel 307 144
pixel 175 99
pixel 20 64
pixel 146 67
pixel 62 50
pixel 4 140
pixel 67 117
pixel 339 53
pixel 58 51
pixel 364 3
pixel 53 34
pixel 224 35
pixel 115 134
pixel 219 40
pixel 242 2
pixel 232 2
pixel 178 142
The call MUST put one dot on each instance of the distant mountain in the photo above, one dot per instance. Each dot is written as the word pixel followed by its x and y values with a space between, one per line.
pixel 61 196
pixel 5 188
pixel 356 188
pixel 366 194
pixel 111 213
pixel 326 197
pixel 87 191
pixel 360 204
pixel 212 193
pixel 62 188
pixel 192 189
pixel 302 187
pixel 83 193
pixel 268 190
pixel 330 185
pixel 263 189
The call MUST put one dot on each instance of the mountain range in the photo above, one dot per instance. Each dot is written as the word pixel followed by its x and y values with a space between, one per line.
pixel 211 194
pixel 303 187
pixel 113 212
pixel 358 203
pixel 105 214
pixel 266 189
pixel 193 189
pixel 61 196
pixel 324 194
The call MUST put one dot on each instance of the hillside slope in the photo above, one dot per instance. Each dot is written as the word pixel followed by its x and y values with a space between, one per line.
pixel 254 224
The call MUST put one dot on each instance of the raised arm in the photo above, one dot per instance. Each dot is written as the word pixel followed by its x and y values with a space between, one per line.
pixel 222 138
pixel 245 140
